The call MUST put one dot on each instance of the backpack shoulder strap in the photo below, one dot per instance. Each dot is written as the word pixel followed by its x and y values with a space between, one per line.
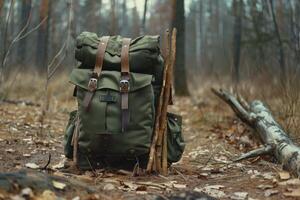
pixel 100 55
pixel 92 86
pixel 124 82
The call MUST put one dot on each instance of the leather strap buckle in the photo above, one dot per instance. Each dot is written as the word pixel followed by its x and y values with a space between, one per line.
pixel 124 86
pixel 92 84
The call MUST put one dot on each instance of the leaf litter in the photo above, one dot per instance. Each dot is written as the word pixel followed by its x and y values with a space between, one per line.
pixel 205 167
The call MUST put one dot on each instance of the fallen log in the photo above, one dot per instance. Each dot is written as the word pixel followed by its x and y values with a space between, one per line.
pixel 276 142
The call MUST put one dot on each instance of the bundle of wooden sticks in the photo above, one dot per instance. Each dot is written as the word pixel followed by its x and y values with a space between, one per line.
pixel 158 151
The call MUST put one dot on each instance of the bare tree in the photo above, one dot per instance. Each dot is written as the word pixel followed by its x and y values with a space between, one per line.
pixel 199 31
pixel 237 6
pixel 280 45
pixel 144 18
pixel 55 63
pixel 25 14
pixel 125 29
pixel 135 21
pixel 114 21
pixel 43 33
pixel 5 32
pixel 257 23
pixel 178 21
pixel 1 6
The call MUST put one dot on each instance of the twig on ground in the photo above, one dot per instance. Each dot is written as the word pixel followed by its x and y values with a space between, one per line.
pixel 27 103
pixel 48 162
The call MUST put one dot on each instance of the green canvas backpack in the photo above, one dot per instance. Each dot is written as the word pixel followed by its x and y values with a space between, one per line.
pixel 117 86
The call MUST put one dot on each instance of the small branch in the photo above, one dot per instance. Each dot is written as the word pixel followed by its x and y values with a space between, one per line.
pixel 50 69
pixel 239 110
pixel 20 37
pixel 48 162
pixel 27 103
pixel 255 153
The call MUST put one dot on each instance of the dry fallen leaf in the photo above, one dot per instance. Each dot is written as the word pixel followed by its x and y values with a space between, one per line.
pixel 264 187
pixel 109 186
pixel 47 195
pixel 179 186
pixel 58 185
pixel 27 193
pixel 76 198
pixel 283 175
pixel 294 181
pixel 130 185
pixel 32 165
pixel 239 195
pixel 142 192
pixel 10 150
pixel 212 190
pixel 270 192
pixel 293 193
pixel 59 165
pixel 268 175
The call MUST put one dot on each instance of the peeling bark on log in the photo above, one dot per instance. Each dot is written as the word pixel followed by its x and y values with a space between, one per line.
pixel 276 142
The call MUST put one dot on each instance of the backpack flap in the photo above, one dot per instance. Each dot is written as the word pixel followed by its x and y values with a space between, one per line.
pixel 109 80
pixel 103 120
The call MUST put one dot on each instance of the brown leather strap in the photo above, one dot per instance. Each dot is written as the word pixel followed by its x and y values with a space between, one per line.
pixel 125 55
pixel 100 54
pixel 124 82
pixel 92 85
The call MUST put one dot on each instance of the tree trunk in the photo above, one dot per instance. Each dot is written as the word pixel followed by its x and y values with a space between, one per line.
pixel 276 142
pixel 6 38
pixel 256 20
pixel 135 21
pixel 25 14
pixel 42 41
pixel 1 6
pixel 178 21
pixel 125 28
pixel 199 33
pixel 237 37
pixel 280 46
pixel 114 20
pixel 144 18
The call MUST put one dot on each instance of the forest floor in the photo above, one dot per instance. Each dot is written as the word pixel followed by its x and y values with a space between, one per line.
pixel 213 135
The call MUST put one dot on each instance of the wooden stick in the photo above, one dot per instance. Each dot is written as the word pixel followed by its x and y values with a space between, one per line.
pixel 75 141
pixel 163 116
pixel 159 147
pixel 150 165
pixel 166 101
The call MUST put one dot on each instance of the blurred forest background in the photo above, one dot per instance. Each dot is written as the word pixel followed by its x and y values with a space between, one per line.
pixel 230 41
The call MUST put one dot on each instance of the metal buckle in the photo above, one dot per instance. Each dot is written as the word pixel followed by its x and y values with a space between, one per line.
pixel 92 84
pixel 124 85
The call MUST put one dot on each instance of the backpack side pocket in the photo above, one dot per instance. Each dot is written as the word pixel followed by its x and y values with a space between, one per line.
pixel 175 139
pixel 68 147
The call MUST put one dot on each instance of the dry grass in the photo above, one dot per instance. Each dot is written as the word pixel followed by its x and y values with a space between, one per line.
pixel 30 86
pixel 284 102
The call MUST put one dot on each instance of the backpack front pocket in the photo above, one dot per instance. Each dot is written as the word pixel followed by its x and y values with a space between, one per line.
pixel 175 139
